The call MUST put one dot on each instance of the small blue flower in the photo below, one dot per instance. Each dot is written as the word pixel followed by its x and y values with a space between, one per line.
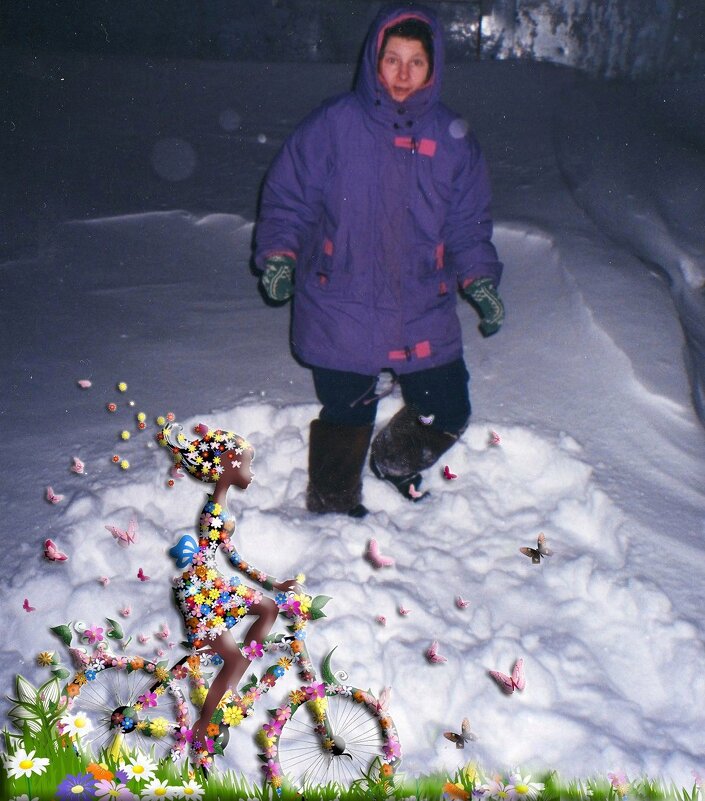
pixel 300 635
pixel 90 675
pixel 217 660
pixel 278 671
pixel 280 598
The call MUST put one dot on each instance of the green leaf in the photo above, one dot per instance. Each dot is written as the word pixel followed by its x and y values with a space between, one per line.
pixel 326 672
pixel 26 692
pixel 115 631
pixel 23 718
pixel 61 673
pixel 317 605
pixel 64 633
pixel 50 693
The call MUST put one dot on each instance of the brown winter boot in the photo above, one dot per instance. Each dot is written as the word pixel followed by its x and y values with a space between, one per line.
pixel 406 446
pixel 336 455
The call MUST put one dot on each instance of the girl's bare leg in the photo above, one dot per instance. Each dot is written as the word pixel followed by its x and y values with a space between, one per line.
pixel 234 663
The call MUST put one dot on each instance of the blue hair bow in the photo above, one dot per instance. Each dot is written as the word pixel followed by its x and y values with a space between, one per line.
pixel 184 550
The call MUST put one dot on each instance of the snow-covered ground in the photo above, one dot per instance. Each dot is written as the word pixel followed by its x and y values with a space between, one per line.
pixel 132 194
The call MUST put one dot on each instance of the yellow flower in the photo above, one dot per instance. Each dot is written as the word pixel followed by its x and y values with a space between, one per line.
pixel 160 690
pixel 45 658
pixel 284 662
pixel 217 620
pixel 213 594
pixel 217 509
pixel 297 697
pixel 161 674
pixel 198 695
pixel 471 773
pixel 304 601
pixel 262 739
pixel 241 590
pixel 199 598
pixel 80 679
pixel 232 716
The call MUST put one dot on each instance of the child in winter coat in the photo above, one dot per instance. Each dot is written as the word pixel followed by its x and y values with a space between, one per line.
pixel 376 210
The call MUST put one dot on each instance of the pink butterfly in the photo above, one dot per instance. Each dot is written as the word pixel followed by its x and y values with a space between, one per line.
pixel 78 466
pixel 414 493
pixel 176 472
pixel 104 580
pixel 52 497
pixel 510 683
pixel 126 611
pixel 27 607
pixel 426 421
pixel 164 633
pixel 160 652
pixel 84 383
pixel 380 704
pixel 432 654
pixel 375 557
pixel 143 638
pixel 447 474
pixel 494 438
pixel 141 576
pixel 52 553
pixel 172 645
pixel 461 603
pixel 403 611
pixel 124 538
pixel 381 619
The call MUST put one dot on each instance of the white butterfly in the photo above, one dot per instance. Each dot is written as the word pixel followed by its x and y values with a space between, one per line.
pixel 465 735
pixel 516 681
pixel 52 553
pixel 432 654
pixel 537 553
pixel 127 537
pixel 375 557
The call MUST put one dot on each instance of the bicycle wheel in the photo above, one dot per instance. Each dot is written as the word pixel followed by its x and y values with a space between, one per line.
pixel 359 735
pixel 129 707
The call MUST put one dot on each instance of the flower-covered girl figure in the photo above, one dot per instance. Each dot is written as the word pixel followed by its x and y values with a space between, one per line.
pixel 210 603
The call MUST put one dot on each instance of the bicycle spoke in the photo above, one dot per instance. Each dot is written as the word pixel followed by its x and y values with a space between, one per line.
pixel 303 759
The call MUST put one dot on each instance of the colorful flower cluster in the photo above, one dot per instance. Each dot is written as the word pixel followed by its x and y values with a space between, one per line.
pixel 209 602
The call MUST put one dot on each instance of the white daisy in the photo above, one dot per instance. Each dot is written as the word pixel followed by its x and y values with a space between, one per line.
pixel 76 725
pixel 157 790
pixel 191 789
pixel 140 768
pixel 22 764
pixel 520 787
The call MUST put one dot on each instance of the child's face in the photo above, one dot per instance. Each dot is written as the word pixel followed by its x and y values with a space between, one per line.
pixel 403 67
pixel 239 468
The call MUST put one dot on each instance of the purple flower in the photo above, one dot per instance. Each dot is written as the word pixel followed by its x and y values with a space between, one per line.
pixel 76 788
pixel 253 651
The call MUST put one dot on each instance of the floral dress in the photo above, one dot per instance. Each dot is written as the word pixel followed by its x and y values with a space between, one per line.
pixel 209 602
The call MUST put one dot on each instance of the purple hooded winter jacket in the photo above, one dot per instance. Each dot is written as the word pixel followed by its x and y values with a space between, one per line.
pixel 385 207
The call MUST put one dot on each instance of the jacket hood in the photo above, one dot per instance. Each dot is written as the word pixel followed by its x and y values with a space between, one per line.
pixel 368 85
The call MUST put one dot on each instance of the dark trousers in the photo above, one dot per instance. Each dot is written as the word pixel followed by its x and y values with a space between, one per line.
pixel 350 398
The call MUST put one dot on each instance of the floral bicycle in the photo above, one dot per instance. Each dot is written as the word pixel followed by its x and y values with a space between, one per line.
pixel 341 736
